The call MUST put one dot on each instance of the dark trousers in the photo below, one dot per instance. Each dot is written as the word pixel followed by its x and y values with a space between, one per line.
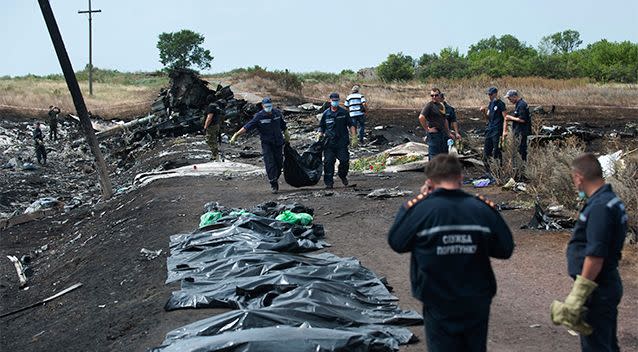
pixel 41 153
pixel 360 126
pixel 437 144
pixel 53 132
pixel 602 315
pixel 491 147
pixel 273 160
pixel 330 155
pixel 456 329
pixel 521 139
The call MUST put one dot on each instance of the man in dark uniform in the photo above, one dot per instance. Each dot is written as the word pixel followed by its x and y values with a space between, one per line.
pixel 593 253
pixel 451 235
pixel 495 122
pixel 521 121
pixel 40 150
pixel 334 128
pixel 450 116
pixel 53 122
pixel 432 119
pixel 273 134
pixel 213 114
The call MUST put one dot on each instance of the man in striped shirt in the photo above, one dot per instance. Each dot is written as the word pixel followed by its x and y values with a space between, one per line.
pixel 357 106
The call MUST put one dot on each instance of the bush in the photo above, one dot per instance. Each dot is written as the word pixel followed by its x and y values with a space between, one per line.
pixel 397 67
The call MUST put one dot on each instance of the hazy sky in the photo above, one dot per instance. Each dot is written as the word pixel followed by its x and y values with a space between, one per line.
pixel 299 35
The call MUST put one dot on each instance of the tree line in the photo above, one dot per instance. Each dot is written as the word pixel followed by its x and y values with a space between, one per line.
pixel 557 56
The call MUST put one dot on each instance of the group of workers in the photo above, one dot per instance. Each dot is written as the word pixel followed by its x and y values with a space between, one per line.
pixel 38 136
pixel 452 234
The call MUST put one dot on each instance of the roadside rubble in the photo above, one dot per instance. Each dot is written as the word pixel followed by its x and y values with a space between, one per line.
pixel 249 261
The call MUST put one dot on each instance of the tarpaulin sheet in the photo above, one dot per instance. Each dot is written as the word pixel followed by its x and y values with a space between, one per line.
pixel 255 264
pixel 305 169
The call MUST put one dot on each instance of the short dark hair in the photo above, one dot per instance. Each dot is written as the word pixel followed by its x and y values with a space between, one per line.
pixel 444 167
pixel 435 89
pixel 588 166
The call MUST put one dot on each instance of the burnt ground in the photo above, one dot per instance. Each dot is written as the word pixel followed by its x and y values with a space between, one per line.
pixel 120 306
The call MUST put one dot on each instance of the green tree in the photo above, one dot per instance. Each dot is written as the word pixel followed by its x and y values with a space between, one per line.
pixel 183 49
pixel 449 64
pixel 397 67
pixel 560 42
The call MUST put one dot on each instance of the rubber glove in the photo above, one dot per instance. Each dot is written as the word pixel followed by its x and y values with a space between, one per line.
pixel 286 136
pixel 354 142
pixel 233 139
pixel 570 313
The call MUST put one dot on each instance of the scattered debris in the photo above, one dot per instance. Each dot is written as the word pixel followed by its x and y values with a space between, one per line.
pixel 541 221
pixel 150 254
pixel 19 269
pixel 383 193
pixel 482 182
pixel 61 293
pixel 608 162
pixel 212 168
pixel 43 203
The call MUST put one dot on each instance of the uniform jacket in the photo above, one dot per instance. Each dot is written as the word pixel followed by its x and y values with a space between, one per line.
pixel 269 125
pixel 451 235
pixel 335 126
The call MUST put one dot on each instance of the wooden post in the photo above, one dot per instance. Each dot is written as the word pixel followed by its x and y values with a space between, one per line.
pixel 78 100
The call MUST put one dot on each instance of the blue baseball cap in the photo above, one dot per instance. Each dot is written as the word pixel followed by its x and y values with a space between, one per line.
pixel 491 90
pixel 266 100
pixel 334 96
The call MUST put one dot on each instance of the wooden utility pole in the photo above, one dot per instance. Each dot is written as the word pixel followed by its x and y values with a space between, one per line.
pixel 76 94
pixel 90 12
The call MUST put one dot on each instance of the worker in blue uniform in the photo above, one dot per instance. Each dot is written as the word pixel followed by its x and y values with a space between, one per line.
pixel 334 129
pixel 451 236
pixel 494 112
pixel 593 252
pixel 521 121
pixel 273 133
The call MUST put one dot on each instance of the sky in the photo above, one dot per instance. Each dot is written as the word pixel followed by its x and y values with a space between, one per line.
pixel 299 35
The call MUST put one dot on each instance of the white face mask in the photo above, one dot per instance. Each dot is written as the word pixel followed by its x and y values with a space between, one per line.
pixel 267 107
pixel 334 103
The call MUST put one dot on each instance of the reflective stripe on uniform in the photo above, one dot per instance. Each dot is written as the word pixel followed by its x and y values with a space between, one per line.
pixel 446 228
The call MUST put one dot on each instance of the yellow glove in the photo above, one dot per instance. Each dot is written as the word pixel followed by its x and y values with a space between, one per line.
pixel 354 142
pixel 570 313
pixel 233 139
pixel 286 136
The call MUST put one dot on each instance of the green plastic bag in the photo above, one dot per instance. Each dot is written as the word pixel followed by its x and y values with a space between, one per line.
pixel 209 218
pixel 295 218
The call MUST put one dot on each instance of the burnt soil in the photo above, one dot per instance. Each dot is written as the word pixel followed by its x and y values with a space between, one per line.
pixel 120 306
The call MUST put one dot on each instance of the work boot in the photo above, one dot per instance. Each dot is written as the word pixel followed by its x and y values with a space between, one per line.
pixel 274 187
pixel 344 180
pixel 329 186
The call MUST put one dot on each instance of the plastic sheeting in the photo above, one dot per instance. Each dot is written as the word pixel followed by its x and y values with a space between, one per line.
pixel 287 300
pixel 305 169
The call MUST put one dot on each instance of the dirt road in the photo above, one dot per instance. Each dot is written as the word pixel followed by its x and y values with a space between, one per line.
pixel 120 307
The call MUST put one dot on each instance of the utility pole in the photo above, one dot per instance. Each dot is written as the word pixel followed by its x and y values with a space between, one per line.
pixel 90 12
pixel 76 94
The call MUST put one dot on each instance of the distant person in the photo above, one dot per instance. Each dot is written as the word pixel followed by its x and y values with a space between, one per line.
pixel 334 130
pixel 451 236
pixel 358 107
pixel 40 149
pixel 212 122
pixel 450 116
pixel 273 134
pixel 433 121
pixel 521 121
pixel 54 111
pixel 593 252
pixel 495 125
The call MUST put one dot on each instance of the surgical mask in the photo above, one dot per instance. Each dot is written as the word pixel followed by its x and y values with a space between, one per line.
pixel 582 195
pixel 334 103
pixel 267 108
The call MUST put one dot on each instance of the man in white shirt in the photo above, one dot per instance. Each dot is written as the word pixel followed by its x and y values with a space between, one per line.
pixel 357 107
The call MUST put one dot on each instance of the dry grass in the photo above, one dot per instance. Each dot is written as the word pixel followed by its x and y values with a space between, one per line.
pixel 32 97
pixel 470 92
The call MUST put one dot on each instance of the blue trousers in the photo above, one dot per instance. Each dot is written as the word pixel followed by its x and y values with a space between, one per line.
pixel 273 160
pixel 437 144
pixel 462 329
pixel 491 147
pixel 602 315
pixel 330 155
pixel 360 125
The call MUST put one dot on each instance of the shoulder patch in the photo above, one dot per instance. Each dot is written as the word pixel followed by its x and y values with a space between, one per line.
pixel 486 201
pixel 409 204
